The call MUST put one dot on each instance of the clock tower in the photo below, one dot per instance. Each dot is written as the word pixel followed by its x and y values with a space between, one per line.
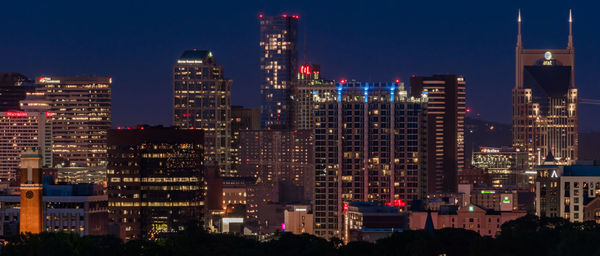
pixel 30 220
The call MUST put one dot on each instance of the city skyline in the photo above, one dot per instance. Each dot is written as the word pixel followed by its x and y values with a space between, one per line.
pixel 485 45
pixel 339 122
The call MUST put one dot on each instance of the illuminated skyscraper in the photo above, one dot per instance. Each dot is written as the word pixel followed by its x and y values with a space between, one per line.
pixel 82 117
pixel 242 119
pixel 155 180
pixel 202 100
pixel 21 130
pixel 369 146
pixel 278 65
pixel 311 87
pixel 545 101
pixel 446 129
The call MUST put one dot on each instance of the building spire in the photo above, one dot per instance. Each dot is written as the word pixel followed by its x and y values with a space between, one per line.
pixel 519 29
pixel 570 45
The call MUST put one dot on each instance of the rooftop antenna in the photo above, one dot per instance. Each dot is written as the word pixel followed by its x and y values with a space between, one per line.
pixel 519 29
pixel 570 45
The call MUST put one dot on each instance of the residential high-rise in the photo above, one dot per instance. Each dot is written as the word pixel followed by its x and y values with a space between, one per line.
pixel 242 119
pixel 202 100
pixel 82 117
pixel 278 65
pixel 369 146
pixel 310 88
pixel 155 180
pixel 446 129
pixel 545 101
pixel 20 130
pixel 13 88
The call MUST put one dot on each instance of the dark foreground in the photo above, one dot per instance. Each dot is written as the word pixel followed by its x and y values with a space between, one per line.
pixel 526 236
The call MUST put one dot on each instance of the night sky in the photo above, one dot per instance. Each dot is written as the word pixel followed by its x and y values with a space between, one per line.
pixel 137 43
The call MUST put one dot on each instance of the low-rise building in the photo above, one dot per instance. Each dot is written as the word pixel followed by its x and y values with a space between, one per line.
pixel 81 214
pixel 298 219
pixel 498 199
pixel 472 217
pixel 368 221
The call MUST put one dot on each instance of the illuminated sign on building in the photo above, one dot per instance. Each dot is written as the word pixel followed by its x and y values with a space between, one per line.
pixel 396 203
pixel 548 59
pixel 16 114
pixel 305 69
pixel 48 80
pixel 189 61
pixel 490 150
pixel 554 174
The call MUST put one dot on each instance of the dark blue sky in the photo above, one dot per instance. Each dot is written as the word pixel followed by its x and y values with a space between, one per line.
pixel 137 42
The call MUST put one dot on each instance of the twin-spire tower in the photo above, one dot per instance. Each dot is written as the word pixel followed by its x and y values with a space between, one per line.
pixel 545 101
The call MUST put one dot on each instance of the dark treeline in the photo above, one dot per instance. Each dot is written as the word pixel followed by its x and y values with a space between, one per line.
pixel 529 236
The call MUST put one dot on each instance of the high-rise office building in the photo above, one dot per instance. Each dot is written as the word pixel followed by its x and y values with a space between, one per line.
pixel 82 117
pixel 13 88
pixel 155 180
pixel 310 89
pixel 369 146
pixel 242 119
pixel 278 65
pixel 504 165
pixel 20 130
pixel 545 101
pixel 202 100
pixel 446 129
